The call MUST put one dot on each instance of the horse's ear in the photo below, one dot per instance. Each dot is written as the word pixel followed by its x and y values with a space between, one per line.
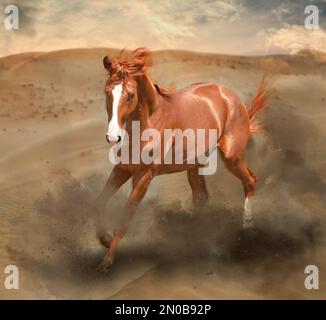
pixel 107 63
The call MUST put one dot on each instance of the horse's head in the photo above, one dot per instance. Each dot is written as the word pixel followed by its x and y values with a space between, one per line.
pixel 121 89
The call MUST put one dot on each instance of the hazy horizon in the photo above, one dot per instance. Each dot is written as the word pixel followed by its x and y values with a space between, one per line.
pixel 159 50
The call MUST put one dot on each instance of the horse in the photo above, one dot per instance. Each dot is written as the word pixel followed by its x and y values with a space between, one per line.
pixel 131 95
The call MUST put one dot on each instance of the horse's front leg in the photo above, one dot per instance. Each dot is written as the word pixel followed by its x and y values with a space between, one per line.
pixel 117 178
pixel 140 185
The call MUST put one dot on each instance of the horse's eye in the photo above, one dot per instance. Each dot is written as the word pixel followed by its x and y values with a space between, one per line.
pixel 130 96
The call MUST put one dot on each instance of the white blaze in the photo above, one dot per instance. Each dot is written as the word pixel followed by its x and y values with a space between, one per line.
pixel 114 129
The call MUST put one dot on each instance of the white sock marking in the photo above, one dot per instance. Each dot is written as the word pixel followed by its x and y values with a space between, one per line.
pixel 247 214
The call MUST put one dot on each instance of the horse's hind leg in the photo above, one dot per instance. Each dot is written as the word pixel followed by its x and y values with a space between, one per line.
pixel 116 179
pixel 198 187
pixel 233 157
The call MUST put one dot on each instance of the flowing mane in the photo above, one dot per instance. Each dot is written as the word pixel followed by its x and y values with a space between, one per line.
pixel 135 64
pixel 125 64
pixel 164 92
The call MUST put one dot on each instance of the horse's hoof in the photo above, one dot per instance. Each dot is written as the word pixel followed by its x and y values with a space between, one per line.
pixel 104 238
pixel 105 265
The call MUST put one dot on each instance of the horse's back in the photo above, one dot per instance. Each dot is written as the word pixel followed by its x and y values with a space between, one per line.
pixel 223 101
pixel 201 106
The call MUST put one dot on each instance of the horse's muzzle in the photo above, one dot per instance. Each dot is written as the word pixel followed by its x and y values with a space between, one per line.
pixel 117 140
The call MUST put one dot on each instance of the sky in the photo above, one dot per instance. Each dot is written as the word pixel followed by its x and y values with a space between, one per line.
pixel 240 27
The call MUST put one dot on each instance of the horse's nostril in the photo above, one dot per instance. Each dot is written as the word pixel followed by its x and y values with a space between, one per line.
pixel 114 139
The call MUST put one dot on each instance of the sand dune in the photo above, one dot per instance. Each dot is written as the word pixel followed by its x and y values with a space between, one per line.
pixel 54 161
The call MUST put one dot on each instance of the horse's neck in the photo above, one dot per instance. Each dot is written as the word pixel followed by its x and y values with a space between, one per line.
pixel 147 100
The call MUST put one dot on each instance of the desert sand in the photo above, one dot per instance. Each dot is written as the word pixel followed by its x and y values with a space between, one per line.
pixel 54 161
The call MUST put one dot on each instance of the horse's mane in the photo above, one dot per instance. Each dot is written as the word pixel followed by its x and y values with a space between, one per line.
pixel 136 64
pixel 164 92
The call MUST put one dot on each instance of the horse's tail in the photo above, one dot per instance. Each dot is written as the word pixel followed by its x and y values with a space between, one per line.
pixel 258 104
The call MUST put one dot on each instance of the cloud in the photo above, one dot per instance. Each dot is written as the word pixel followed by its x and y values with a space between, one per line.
pixel 275 13
pixel 226 26
pixel 294 38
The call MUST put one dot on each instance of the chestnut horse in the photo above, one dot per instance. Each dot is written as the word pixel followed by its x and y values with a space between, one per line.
pixel 131 95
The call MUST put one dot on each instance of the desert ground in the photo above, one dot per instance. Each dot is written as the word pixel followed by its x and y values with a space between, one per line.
pixel 54 162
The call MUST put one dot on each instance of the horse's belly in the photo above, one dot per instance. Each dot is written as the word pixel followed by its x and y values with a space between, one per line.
pixel 169 168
